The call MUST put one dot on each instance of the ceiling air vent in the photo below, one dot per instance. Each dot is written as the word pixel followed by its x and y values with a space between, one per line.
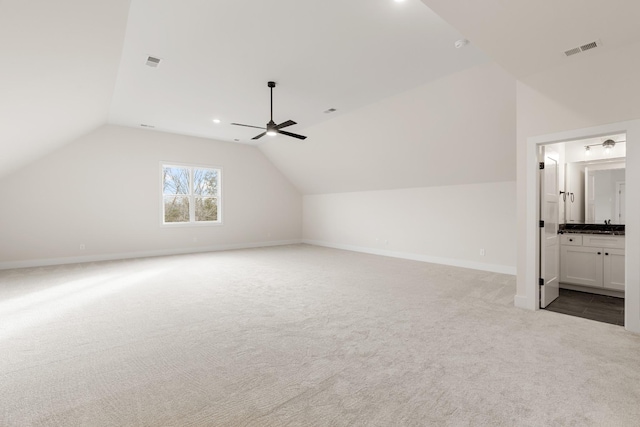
pixel 582 48
pixel 589 46
pixel 153 62
pixel 572 51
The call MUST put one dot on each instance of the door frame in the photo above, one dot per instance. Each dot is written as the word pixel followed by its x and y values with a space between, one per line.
pixel 531 247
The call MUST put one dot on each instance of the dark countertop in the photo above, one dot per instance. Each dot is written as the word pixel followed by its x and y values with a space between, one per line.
pixel 608 229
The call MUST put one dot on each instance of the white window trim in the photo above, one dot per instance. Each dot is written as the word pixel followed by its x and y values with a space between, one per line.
pixel 191 205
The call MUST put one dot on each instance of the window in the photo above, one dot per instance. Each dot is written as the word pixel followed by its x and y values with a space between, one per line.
pixel 190 195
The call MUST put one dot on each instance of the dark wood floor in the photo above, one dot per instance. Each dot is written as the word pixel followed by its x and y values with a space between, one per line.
pixel 590 306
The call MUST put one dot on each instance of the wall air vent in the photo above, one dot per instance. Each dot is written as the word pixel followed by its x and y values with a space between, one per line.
pixel 583 48
pixel 153 62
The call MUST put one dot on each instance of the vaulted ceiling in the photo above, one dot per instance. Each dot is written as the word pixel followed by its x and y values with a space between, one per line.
pixel 217 56
pixel 75 65
pixel 411 109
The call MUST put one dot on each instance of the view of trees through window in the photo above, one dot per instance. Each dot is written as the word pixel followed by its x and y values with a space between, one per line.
pixel 190 194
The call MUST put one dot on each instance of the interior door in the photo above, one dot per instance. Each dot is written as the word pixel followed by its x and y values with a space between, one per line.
pixel 549 240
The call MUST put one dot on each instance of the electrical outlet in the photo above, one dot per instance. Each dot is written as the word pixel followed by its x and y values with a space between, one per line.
pixel 482 252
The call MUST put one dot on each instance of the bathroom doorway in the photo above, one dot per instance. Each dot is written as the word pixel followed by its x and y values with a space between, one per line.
pixel 582 243
pixel 528 294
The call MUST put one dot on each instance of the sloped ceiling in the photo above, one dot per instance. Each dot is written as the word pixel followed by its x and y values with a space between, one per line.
pixel 59 65
pixel 457 130
pixel 217 57
pixel 74 65
pixel 527 37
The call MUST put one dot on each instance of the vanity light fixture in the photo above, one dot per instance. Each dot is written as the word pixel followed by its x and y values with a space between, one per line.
pixel 606 145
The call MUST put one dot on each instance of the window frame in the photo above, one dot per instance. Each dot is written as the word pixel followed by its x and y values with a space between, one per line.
pixel 191 196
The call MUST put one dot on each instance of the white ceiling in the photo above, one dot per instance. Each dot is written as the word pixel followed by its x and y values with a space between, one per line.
pixel 217 57
pixel 526 36
pixel 59 61
pixel 67 68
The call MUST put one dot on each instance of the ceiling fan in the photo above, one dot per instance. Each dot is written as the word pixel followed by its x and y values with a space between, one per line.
pixel 272 128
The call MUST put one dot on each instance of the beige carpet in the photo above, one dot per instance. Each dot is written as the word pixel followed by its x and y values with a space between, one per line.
pixel 300 336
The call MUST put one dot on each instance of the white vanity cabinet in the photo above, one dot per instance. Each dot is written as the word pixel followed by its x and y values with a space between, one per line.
pixel 592 260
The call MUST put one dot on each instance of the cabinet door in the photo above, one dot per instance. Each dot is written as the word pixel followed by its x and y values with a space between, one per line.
pixel 614 269
pixel 581 265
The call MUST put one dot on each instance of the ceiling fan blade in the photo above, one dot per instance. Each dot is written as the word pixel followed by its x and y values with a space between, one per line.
pixel 259 136
pixel 293 135
pixel 247 126
pixel 285 124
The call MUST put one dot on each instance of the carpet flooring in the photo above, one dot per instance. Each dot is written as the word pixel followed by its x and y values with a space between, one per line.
pixel 300 336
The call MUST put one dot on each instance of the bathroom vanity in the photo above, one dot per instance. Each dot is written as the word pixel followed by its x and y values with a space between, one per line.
pixel 595 261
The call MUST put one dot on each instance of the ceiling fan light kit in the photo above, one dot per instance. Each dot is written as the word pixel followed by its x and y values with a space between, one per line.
pixel 272 129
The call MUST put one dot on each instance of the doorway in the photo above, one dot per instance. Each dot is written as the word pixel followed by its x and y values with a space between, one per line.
pixel 529 263
pixel 582 229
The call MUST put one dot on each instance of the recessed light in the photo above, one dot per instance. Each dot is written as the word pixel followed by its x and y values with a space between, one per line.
pixel 216 121
pixel 398 1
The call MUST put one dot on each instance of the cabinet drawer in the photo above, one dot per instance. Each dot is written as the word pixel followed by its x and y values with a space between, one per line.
pixel 571 239
pixel 603 241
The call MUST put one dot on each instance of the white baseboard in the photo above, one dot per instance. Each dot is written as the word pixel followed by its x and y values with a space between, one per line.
pixel 143 254
pixel 504 269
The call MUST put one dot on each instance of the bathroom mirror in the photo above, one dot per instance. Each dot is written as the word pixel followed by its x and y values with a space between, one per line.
pixel 594 192
pixel 605 193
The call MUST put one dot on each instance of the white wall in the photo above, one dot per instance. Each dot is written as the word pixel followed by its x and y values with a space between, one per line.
pixel 103 191
pixel 447 224
pixel 431 172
